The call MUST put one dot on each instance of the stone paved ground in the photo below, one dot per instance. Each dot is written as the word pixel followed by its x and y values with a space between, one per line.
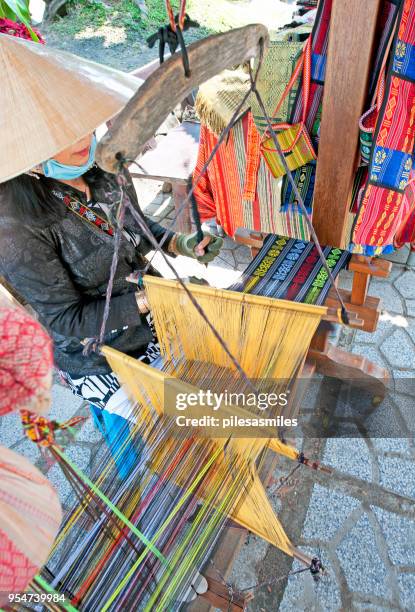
pixel 360 519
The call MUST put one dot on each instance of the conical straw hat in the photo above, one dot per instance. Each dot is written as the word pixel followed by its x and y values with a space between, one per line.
pixel 49 99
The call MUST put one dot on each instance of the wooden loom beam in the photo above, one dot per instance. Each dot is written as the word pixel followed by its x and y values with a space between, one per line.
pixel 351 38
pixel 142 116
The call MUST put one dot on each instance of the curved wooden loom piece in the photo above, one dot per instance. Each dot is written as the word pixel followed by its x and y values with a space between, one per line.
pixel 168 86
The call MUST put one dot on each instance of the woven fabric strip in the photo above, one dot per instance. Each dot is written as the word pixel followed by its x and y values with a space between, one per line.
pixel 291 269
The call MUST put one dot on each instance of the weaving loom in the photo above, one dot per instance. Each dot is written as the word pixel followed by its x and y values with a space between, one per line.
pixel 183 500
pixel 142 541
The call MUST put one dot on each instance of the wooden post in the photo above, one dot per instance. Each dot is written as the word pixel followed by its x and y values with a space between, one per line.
pixel 352 31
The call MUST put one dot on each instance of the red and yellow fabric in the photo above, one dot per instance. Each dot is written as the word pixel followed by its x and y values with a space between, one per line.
pixel 26 361
pixel 30 516
pixel 406 232
pixel 382 209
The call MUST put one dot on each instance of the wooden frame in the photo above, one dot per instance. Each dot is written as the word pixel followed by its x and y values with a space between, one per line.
pixel 352 31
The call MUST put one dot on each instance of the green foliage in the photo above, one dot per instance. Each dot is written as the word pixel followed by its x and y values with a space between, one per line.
pixel 17 10
pixel 157 15
pixel 128 15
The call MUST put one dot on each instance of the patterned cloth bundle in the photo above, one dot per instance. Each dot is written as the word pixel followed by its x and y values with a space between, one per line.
pixel 30 516
pixel 291 269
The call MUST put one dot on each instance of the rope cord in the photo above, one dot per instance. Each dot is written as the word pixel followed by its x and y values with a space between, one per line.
pixel 147 233
pixel 345 317
pixel 195 181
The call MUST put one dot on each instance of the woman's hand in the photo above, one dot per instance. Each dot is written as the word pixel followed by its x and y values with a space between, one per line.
pixel 142 302
pixel 204 251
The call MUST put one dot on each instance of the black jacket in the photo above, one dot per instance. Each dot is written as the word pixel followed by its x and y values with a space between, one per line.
pixel 61 266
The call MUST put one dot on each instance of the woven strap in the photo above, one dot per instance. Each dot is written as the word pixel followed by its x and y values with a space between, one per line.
pixel 89 215
pixel 380 89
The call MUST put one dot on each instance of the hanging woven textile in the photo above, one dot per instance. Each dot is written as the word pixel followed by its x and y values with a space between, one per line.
pixel 406 232
pixel 220 192
pixel 381 209
pixel 238 189
pixel 304 177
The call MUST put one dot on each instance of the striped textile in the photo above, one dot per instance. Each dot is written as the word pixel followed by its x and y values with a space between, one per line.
pixel 221 193
pixel 291 269
pixel 304 177
pixel 382 208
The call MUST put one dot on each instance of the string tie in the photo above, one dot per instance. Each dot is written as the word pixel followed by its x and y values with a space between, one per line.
pixel 42 431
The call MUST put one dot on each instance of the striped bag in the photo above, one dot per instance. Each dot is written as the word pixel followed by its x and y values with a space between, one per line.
pixel 294 139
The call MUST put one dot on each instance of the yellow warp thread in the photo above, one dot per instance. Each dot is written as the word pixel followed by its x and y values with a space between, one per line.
pixel 268 337
pixel 251 507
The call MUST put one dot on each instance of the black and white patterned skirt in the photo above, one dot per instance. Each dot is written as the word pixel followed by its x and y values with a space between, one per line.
pixel 100 389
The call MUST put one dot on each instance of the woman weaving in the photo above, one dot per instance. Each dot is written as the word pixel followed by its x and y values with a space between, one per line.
pixel 60 263
pixel 56 248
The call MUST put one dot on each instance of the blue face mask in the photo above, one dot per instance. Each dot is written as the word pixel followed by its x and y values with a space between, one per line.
pixel 53 169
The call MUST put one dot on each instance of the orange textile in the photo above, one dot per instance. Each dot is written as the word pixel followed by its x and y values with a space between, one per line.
pixel 237 188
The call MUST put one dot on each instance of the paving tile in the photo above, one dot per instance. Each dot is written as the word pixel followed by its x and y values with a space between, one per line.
pixel 88 432
pixel 358 606
pixel 225 259
pixel 243 573
pixel 322 525
pixel 406 284
pixel 407 589
pixel 397 475
pixel 64 403
pixel 346 280
pixel 79 455
pixel 391 301
pixel 410 328
pixel 28 449
pixel 398 350
pixel 361 562
pixel 393 445
pixel 399 534
pixel 350 455
pixel 386 325
pixel 398 256
pixel 406 405
pixel 410 307
pixel 303 594
pixel 384 421
pixel 372 353
pixel 11 430
pixel 242 255
pixel 62 486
